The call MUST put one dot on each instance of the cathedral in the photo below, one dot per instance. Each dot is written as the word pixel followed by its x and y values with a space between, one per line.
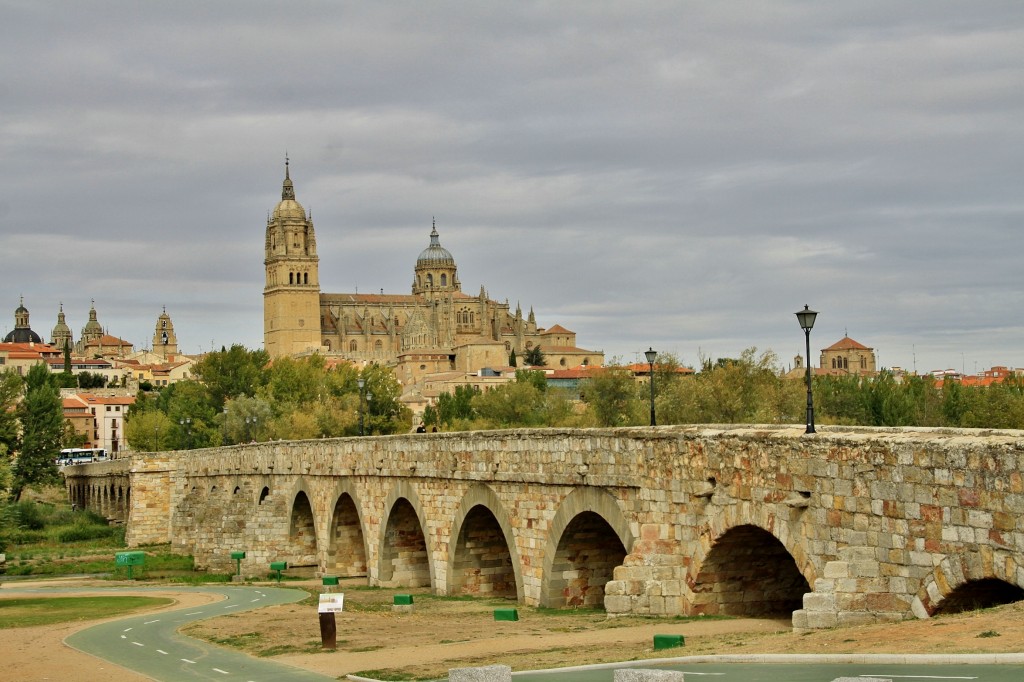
pixel 437 328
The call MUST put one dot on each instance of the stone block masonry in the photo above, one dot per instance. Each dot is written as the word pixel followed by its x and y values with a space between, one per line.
pixel 848 526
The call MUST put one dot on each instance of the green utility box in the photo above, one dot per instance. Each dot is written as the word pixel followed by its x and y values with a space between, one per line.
pixel 129 559
pixel 330 581
pixel 506 614
pixel 278 566
pixel 237 558
pixel 403 600
pixel 668 641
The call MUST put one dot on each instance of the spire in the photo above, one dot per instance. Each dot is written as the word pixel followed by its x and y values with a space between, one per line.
pixel 287 189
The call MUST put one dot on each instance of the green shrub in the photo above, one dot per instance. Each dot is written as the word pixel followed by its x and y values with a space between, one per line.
pixel 80 532
pixel 28 515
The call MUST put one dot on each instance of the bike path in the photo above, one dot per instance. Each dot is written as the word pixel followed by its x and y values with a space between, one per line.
pixel 151 645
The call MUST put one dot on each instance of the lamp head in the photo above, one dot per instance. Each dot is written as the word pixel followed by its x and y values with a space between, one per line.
pixel 806 318
pixel 651 355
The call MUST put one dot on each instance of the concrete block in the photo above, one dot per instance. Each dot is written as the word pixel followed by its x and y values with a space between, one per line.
pixel 487 673
pixel 647 675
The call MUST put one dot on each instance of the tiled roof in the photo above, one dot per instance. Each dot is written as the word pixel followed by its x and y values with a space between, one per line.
pixel 846 343
pixel 557 329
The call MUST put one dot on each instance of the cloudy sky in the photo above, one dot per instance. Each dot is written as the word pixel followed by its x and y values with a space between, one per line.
pixel 682 175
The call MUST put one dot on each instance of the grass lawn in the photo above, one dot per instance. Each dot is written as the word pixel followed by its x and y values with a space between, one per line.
pixel 23 613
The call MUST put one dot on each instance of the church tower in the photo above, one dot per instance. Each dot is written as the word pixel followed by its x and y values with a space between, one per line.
pixel 291 294
pixel 61 337
pixel 165 343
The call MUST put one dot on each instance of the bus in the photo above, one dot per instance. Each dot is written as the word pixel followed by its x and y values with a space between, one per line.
pixel 69 456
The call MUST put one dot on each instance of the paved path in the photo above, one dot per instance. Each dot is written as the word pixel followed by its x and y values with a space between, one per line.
pixel 150 644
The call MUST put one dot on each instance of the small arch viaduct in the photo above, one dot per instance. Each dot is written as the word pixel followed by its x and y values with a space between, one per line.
pixel 848 526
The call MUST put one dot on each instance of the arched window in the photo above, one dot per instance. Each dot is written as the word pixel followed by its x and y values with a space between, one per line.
pixel 305 278
pixel 353 346
pixel 378 346
pixel 430 280
pixel 291 278
pixel 444 280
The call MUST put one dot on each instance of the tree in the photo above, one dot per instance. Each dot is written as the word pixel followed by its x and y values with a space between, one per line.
pixel 245 419
pixel 612 395
pixel 11 387
pixel 148 430
pixel 534 357
pixel 455 406
pixel 384 414
pixel 517 403
pixel 231 373
pixel 42 427
pixel 512 358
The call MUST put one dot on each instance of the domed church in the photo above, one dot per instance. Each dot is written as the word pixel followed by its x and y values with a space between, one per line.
pixel 22 332
pixel 435 328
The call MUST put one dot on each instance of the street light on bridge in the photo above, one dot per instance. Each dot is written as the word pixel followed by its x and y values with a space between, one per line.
pixel 651 354
pixel 806 319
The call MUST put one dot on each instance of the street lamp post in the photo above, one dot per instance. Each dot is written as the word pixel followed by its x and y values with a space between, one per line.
pixel 369 399
pixel 362 383
pixel 651 354
pixel 806 319
pixel 249 421
pixel 186 425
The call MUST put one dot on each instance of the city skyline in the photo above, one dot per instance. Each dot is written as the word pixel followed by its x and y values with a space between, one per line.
pixel 682 177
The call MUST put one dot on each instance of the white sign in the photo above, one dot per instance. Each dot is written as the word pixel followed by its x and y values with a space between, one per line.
pixel 331 603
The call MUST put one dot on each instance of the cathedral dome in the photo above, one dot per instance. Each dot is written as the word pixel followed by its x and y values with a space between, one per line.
pixel 289 208
pixel 22 335
pixel 435 254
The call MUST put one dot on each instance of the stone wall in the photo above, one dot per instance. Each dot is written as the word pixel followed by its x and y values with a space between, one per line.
pixel 846 526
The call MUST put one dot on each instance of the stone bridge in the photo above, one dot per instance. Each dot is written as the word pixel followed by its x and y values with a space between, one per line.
pixel 848 526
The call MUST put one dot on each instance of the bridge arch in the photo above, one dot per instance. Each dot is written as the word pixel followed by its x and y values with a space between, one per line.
pixel 975 579
pixel 404 558
pixel 482 557
pixel 346 547
pixel 746 571
pixel 588 537
pixel 302 541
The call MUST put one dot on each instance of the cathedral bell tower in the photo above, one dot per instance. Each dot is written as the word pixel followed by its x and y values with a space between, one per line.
pixel 165 342
pixel 291 295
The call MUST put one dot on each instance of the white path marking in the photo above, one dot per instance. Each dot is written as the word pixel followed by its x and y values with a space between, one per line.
pixel 254 600
pixel 126 630
pixel 194 613
pixel 138 644
pixel 124 636
pixel 161 651
pixel 150 622
pixel 222 672
pixel 187 661
pixel 233 606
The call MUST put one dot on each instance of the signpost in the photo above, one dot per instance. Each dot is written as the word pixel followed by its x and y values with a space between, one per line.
pixel 330 604
pixel 278 566
pixel 129 559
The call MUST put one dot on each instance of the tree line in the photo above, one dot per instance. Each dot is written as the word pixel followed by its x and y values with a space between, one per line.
pixel 240 396
pixel 750 389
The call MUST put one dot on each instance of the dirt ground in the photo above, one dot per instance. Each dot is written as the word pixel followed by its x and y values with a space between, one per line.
pixel 446 633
